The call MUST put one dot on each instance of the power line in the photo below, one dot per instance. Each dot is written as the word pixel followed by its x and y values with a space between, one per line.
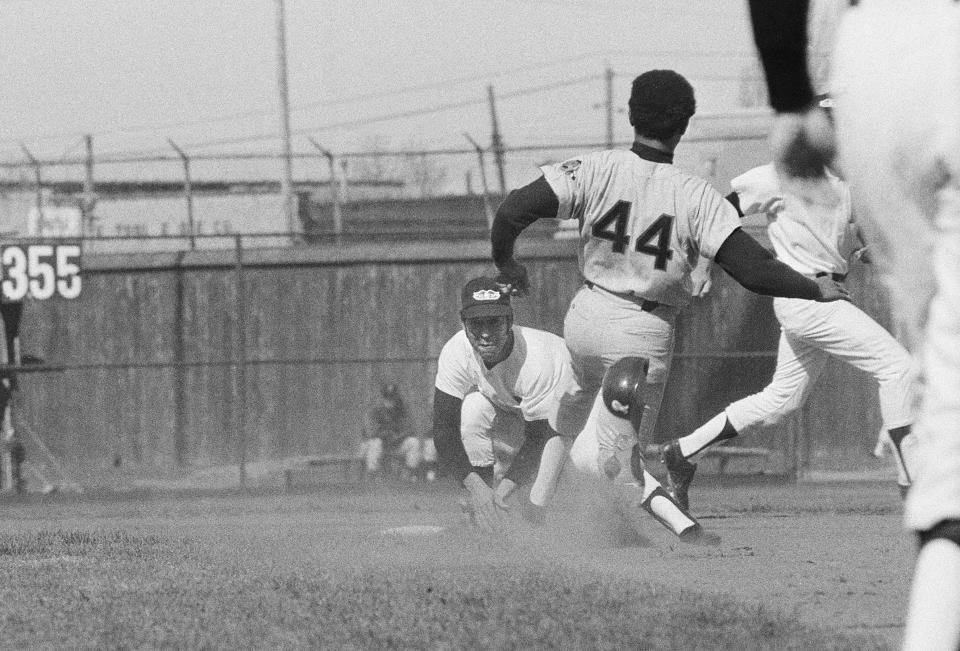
pixel 373 120
pixel 323 103
pixel 161 126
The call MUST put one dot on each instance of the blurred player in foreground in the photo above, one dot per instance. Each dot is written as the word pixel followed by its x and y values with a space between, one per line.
pixel 814 234
pixel 896 86
pixel 644 225
pixel 500 382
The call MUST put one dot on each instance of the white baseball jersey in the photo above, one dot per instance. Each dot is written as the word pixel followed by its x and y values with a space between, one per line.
pixel 810 231
pixel 643 224
pixel 529 382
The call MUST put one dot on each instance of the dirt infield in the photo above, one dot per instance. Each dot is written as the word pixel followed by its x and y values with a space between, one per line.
pixel 832 555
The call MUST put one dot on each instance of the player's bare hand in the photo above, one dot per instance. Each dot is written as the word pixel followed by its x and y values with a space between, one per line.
pixel 513 278
pixel 803 144
pixel 482 504
pixel 831 290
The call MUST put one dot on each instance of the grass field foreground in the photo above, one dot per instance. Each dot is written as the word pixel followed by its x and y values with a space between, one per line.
pixel 316 571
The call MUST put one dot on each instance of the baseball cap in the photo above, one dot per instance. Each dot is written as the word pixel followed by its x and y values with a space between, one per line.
pixel 482 297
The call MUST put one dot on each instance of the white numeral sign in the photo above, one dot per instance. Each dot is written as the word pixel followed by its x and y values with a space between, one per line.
pixel 40 271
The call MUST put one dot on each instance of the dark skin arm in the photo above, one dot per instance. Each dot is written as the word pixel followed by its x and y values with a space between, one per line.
pixel 521 208
pixel 758 270
pixel 484 503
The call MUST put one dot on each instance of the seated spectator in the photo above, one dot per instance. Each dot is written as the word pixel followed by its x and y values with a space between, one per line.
pixel 388 433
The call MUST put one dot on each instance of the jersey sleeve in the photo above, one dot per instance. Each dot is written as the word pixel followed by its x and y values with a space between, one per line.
pixel 553 378
pixel 712 218
pixel 453 376
pixel 758 190
pixel 566 181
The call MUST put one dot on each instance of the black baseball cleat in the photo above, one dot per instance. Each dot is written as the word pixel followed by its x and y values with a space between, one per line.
pixel 679 472
pixel 697 535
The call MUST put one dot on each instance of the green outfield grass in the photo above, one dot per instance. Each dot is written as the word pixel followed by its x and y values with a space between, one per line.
pixel 316 570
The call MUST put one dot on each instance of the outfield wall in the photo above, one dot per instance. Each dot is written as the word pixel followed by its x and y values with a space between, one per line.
pixel 169 362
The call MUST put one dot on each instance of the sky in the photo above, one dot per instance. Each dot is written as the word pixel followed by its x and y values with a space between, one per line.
pixel 362 74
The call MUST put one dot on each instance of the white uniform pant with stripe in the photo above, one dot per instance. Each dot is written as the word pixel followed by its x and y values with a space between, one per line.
pixel 896 83
pixel 811 333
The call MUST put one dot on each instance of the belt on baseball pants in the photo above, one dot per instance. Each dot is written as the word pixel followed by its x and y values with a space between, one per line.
pixel 835 276
pixel 645 305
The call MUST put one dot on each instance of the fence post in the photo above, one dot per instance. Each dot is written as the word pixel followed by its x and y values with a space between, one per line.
pixel 334 188
pixel 487 208
pixel 241 364
pixel 39 181
pixel 187 191
pixel 89 198
pixel 180 371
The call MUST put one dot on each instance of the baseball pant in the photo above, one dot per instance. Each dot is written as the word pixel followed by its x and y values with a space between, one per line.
pixel 899 143
pixel 811 333
pixel 601 328
pixel 372 450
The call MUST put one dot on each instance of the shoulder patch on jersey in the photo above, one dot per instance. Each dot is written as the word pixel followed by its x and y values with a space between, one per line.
pixel 570 166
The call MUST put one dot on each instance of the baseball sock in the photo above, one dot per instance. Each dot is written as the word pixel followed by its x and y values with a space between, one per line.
pixel 658 503
pixel 716 429
pixel 486 474
pixel 897 434
pixel 551 463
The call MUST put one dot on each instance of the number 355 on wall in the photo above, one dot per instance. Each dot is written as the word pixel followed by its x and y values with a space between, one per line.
pixel 39 271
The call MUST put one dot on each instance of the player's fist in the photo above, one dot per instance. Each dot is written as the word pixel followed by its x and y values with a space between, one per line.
pixel 831 290
pixel 803 144
pixel 513 278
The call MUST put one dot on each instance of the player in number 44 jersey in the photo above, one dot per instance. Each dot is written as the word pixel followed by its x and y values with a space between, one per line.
pixel 644 225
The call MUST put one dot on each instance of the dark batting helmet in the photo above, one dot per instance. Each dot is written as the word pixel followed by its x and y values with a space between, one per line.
pixel 623 388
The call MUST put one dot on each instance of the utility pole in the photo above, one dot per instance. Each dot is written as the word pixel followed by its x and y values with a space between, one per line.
pixel 286 181
pixel 89 198
pixel 496 142
pixel 608 76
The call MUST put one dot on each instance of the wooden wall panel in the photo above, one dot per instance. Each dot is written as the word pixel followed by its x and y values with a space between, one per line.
pixel 323 330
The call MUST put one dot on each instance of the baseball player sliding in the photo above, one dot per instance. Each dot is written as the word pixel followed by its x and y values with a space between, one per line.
pixel 497 381
pixel 644 225
pixel 812 231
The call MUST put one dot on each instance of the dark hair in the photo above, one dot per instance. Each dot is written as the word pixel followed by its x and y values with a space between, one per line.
pixel 661 104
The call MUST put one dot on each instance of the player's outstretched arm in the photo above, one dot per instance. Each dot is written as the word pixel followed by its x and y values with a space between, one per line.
pixel 453 458
pixel 451 454
pixel 521 208
pixel 758 270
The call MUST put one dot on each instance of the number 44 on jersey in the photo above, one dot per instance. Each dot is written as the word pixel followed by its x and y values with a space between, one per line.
pixel 39 271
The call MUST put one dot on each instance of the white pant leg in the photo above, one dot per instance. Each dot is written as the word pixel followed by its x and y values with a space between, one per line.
pixel 898 121
pixel 844 331
pixel 429 451
pixel 935 495
pixel 488 433
pixel 799 364
pixel 372 454
pixel 410 449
